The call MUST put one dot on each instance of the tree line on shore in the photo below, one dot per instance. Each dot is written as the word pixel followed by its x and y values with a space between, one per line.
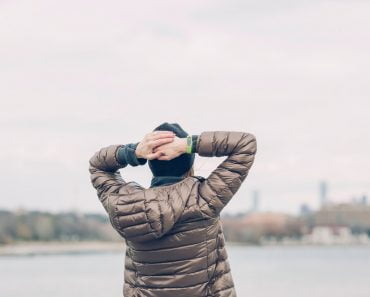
pixel 47 226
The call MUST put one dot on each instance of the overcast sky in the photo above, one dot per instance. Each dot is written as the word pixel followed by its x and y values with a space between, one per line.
pixel 79 75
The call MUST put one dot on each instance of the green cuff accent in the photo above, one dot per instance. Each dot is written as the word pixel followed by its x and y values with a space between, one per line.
pixel 189 144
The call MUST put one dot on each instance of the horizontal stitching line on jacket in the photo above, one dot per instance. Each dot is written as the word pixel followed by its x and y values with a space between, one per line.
pixel 129 226
pixel 138 224
pixel 129 214
pixel 129 237
pixel 169 248
pixel 171 274
pixel 224 289
pixel 124 202
pixel 133 270
pixel 172 233
pixel 171 261
pixel 231 170
pixel 149 264
pixel 169 288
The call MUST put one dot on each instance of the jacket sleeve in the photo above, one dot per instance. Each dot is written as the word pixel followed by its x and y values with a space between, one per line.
pixel 135 217
pixel 221 185
pixel 103 168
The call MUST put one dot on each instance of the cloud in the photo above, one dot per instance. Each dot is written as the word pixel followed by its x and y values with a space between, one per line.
pixel 76 77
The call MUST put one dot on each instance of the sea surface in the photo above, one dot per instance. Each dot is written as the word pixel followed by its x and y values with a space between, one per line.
pixel 257 272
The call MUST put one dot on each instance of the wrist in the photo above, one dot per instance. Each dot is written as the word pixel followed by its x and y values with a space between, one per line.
pixel 138 154
pixel 182 145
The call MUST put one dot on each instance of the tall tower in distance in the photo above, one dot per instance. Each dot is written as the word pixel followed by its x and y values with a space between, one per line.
pixel 323 193
pixel 255 201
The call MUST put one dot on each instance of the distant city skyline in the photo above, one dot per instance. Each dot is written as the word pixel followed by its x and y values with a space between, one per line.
pixel 76 77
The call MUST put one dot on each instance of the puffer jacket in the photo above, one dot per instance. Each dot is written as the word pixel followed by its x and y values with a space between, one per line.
pixel 175 245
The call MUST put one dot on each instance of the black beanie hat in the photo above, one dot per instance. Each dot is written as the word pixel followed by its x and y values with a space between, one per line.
pixel 177 166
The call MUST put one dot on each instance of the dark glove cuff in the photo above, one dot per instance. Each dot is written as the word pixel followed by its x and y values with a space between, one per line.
pixel 126 155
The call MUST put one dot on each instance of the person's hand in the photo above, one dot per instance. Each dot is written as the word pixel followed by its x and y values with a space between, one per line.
pixel 171 150
pixel 145 149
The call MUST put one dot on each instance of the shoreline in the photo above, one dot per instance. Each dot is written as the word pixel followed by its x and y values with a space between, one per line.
pixel 37 248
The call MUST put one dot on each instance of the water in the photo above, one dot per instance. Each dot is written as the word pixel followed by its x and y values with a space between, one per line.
pixel 257 272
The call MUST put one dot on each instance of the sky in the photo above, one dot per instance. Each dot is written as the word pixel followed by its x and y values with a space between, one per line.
pixel 76 76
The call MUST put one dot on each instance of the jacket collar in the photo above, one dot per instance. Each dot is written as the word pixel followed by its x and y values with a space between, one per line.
pixel 165 180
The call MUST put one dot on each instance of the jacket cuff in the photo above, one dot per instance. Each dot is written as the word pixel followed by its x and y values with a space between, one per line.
pixel 207 141
pixel 126 155
pixel 194 139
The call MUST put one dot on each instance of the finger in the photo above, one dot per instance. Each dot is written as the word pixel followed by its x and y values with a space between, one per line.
pixel 164 158
pixel 154 150
pixel 159 142
pixel 154 138
pixel 162 131
pixel 161 134
pixel 154 155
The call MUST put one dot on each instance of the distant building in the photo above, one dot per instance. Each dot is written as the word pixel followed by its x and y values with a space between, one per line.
pixel 355 216
pixel 364 200
pixel 323 193
pixel 253 228
pixel 305 210
pixel 329 235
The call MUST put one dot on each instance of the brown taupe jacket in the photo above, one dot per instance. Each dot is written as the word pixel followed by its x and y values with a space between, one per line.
pixel 175 246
